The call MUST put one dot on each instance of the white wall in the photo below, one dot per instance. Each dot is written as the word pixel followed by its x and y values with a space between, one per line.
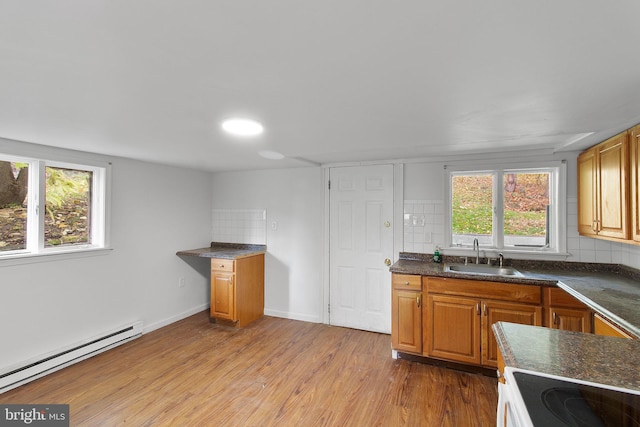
pixel 293 200
pixel 155 211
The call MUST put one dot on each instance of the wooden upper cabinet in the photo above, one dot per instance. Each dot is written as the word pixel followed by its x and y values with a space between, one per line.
pixel 634 143
pixel 587 177
pixel 603 189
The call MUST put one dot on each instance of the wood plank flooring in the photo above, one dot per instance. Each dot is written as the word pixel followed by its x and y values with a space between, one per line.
pixel 275 372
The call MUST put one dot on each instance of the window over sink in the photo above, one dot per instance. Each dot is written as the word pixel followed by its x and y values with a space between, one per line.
pixel 508 209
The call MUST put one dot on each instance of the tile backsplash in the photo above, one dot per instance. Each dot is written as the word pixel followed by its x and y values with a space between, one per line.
pixel 424 230
pixel 247 226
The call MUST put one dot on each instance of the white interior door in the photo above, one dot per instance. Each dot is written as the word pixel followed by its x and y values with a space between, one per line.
pixel 361 239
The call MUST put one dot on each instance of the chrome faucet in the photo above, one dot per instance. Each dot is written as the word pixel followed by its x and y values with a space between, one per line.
pixel 476 247
pixel 501 258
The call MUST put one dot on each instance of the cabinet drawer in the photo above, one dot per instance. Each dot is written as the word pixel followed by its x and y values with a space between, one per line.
pixel 406 281
pixel 222 264
pixel 529 294
pixel 557 297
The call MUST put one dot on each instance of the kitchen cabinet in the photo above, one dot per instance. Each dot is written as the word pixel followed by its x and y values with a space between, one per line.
pixel 603 189
pixel 602 326
pixel 634 143
pixel 406 313
pixel 459 314
pixel 237 289
pixel 565 312
pixel 496 311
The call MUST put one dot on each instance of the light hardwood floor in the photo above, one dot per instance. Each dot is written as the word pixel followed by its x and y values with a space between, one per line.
pixel 275 372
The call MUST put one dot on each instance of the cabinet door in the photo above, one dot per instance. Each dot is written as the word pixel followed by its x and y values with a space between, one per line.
pixel 222 295
pixel 406 321
pixel 587 177
pixel 494 311
pixel 612 188
pixel 634 142
pixel 569 319
pixel 453 328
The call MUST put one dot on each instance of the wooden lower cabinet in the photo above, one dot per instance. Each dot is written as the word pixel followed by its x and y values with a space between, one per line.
pixel 222 295
pixel 498 311
pixel 459 328
pixel 453 328
pixel 569 319
pixel 237 289
pixel 565 312
pixel 406 321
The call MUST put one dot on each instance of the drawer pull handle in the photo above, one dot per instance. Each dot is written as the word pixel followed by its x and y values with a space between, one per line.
pixel 418 301
pixel 406 283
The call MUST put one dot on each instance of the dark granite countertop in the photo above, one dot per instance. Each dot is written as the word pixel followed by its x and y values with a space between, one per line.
pixel 586 357
pixel 225 251
pixel 611 290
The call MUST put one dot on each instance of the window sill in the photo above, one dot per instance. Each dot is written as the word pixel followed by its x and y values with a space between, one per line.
pixel 54 255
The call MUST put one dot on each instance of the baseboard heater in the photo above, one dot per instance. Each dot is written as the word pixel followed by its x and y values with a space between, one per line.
pixel 46 364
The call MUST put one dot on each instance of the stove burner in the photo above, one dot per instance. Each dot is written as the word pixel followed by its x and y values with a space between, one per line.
pixel 571 407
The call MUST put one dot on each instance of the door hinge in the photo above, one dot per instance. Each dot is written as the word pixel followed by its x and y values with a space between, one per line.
pixel 329 184
pixel 329 308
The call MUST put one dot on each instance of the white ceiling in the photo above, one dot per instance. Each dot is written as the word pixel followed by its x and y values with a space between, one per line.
pixel 331 80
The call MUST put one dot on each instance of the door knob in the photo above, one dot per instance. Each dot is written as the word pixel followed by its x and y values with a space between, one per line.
pixel 387 224
pixel 387 262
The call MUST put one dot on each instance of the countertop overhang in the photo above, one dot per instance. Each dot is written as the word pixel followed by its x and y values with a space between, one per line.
pixel 587 357
pixel 225 251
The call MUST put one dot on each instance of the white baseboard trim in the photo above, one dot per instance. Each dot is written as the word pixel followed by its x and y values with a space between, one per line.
pixel 172 319
pixel 292 316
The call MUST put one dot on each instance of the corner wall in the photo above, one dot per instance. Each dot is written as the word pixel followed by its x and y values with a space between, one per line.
pixel 155 211
pixel 293 264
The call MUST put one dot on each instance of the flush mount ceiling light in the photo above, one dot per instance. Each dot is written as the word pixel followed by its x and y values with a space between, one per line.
pixel 271 155
pixel 242 127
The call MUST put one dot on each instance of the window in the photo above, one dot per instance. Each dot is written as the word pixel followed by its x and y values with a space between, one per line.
pixel 507 209
pixel 48 206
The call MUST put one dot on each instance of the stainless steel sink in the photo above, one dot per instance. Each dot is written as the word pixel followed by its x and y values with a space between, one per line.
pixel 487 270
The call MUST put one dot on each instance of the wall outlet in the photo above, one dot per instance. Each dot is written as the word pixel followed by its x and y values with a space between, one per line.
pixel 181 282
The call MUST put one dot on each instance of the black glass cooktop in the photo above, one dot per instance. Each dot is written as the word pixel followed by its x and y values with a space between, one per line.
pixel 551 402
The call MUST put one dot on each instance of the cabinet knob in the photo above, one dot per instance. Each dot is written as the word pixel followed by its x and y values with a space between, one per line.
pixel 387 262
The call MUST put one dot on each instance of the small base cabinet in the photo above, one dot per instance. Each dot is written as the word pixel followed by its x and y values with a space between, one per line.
pixel 237 290
pixel 406 313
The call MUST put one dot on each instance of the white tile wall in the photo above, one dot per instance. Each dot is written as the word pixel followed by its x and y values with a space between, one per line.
pixel 247 226
pixel 424 230
pixel 423 225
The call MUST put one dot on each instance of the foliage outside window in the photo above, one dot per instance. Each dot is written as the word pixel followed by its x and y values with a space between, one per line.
pixel 505 209
pixel 72 198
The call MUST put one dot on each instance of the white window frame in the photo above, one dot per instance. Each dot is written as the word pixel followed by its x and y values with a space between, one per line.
pixel 557 200
pixel 35 244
